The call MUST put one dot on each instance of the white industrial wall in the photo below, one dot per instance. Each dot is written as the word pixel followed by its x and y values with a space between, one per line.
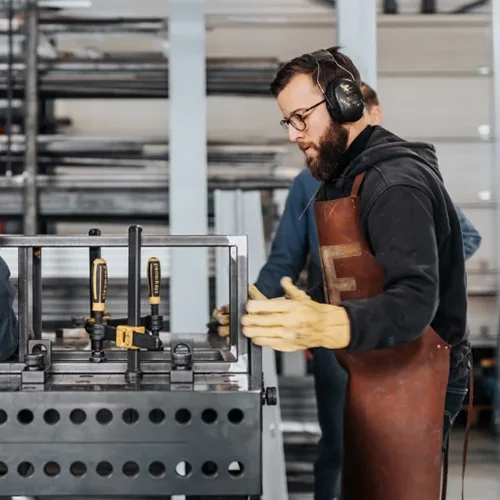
pixel 434 82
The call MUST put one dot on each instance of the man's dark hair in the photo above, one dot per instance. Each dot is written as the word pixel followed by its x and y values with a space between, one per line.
pixel 369 95
pixel 306 65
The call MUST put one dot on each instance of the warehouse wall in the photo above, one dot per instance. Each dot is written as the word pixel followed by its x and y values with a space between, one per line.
pixel 434 82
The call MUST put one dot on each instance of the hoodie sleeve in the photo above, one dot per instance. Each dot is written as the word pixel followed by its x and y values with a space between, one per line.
pixel 8 320
pixel 470 235
pixel 400 226
pixel 290 246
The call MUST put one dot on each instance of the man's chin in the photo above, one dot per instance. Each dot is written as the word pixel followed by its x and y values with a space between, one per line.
pixel 313 168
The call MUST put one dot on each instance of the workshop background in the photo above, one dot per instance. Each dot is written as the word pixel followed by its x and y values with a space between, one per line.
pixel 127 133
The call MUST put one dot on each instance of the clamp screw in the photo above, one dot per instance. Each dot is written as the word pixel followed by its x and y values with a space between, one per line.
pixel 34 362
pixel 270 396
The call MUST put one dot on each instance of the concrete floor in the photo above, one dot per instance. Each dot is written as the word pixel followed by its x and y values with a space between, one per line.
pixel 482 479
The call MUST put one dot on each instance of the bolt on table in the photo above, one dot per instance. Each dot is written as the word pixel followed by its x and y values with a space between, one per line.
pixel 143 412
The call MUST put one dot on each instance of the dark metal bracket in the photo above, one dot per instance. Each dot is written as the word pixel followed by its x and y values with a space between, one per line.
pixel 182 362
pixel 38 362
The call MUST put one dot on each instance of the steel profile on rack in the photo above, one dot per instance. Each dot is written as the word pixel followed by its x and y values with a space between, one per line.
pixel 20 5
pixel 139 152
pixel 136 76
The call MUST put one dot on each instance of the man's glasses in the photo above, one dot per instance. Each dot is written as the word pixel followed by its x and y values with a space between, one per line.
pixel 297 120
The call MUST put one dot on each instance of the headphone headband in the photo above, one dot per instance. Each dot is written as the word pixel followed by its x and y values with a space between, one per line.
pixel 321 55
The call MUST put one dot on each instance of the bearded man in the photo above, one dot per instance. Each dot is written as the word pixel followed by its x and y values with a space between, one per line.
pixel 392 302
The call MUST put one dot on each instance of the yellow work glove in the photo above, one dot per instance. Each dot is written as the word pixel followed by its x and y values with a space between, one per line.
pixel 221 314
pixel 296 324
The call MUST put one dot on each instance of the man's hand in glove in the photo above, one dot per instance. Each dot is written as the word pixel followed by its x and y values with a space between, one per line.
pixel 292 325
pixel 221 315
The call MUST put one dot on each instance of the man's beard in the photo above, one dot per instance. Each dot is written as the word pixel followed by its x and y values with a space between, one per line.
pixel 327 165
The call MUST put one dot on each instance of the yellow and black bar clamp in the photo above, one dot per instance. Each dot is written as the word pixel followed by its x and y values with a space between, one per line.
pixel 101 327
pixel 125 337
pixel 155 320
pixel 99 280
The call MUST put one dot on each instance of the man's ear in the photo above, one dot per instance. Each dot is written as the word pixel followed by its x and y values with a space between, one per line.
pixel 375 115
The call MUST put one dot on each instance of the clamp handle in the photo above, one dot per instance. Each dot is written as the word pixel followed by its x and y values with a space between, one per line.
pixel 154 280
pixel 99 285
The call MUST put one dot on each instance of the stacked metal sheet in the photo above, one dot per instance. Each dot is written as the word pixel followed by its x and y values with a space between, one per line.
pixel 134 152
pixel 125 75
pixel 109 179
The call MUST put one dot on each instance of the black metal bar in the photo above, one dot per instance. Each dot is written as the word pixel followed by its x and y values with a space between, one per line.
pixel 31 119
pixel 37 292
pixel 234 300
pixel 134 373
pixel 10 95
pixel 390 7
pixel 94 253
pixel 428 7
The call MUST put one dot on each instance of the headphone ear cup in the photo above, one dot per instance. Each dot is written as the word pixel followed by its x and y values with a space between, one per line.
pixel 345 101
pixel 331 102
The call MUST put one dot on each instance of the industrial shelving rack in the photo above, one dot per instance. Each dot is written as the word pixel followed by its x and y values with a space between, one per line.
pixel 46 186
pixel 40 195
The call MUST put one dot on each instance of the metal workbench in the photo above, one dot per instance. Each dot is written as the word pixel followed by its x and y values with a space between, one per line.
pixel 69 426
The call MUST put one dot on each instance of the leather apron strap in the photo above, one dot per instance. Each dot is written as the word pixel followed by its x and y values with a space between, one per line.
pixel 470 404
pixel 467 425
pixel 357 183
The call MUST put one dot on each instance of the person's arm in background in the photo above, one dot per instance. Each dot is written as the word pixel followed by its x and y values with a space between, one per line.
pixel 8 320
pixel 290 247
pixel 470 235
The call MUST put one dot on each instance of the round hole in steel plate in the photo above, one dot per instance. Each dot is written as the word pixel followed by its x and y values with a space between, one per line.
pixel 183 469
pixel 78 469
pixel 104 469
pixel 157 469
pixel 52 469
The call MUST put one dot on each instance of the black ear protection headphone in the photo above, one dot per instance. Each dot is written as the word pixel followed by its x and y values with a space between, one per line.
pixel 343 96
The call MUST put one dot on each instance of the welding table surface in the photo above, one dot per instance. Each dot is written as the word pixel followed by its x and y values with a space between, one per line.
pixel 202 383
pixel 78 340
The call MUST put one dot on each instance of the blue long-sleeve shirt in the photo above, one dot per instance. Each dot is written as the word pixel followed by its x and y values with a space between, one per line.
pixel 296 239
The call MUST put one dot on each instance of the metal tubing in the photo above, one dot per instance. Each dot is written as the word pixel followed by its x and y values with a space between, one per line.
pixel 31 119
pixel 24 317
pixel 134 373
pixel 114 184
pixel 37 292
pixel 9 117
pixel 52 4
pixel 122 241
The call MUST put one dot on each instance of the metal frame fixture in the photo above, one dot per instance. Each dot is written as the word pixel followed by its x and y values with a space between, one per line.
pixel 122 421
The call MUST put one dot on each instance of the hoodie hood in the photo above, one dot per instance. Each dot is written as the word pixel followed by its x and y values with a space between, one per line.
pixel 383 146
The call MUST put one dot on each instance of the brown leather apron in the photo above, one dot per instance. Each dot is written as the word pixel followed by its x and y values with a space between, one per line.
pixel 394 406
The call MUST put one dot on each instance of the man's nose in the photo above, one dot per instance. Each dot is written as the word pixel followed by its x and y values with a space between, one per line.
pixel 294 135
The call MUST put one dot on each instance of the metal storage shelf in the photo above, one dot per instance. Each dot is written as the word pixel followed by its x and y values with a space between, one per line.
pixel 138 76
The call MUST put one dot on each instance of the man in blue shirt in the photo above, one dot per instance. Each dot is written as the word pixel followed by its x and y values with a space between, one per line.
pixel 294 248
